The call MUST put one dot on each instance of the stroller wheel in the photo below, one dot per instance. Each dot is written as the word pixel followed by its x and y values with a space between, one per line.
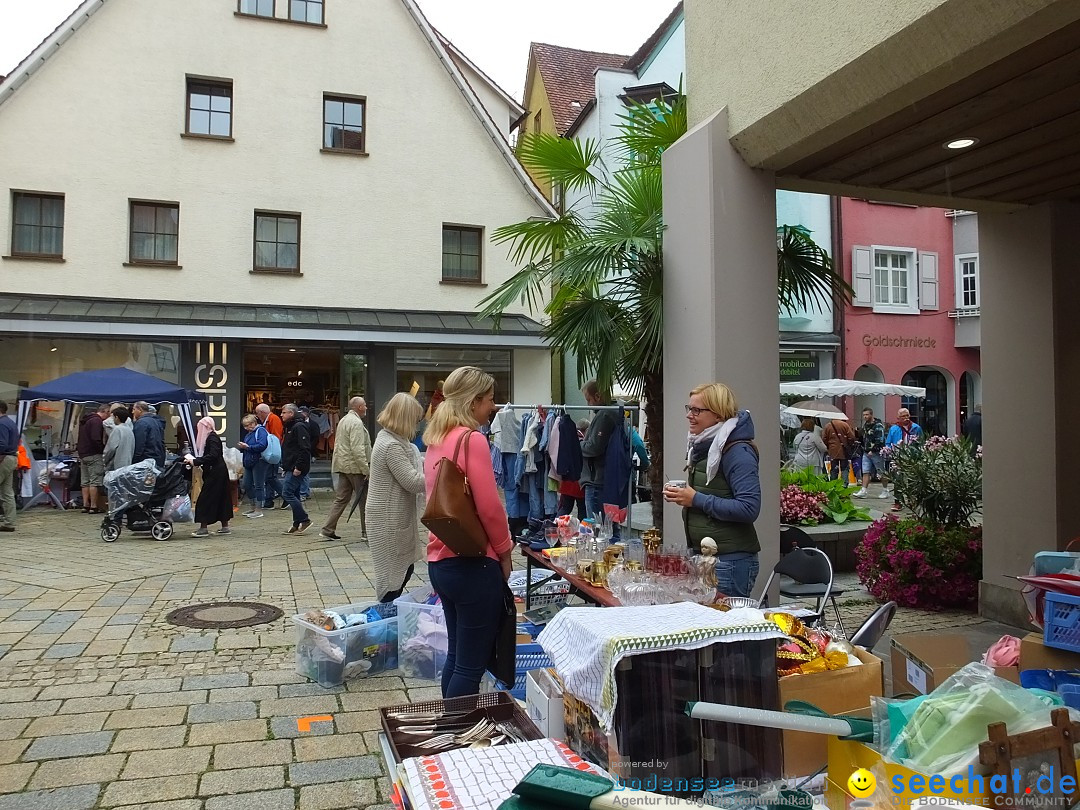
pixel 110 531
pixel 162 530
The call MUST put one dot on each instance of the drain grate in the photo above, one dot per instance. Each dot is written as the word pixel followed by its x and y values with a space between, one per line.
pixel 224 615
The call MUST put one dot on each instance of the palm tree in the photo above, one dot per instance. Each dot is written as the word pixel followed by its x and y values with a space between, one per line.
pixel 597 273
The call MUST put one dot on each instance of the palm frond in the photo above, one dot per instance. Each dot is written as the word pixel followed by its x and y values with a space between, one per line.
pixel 570 163
pixel 647 130
pixel 527 287
pixel 534 240
pixel 805 275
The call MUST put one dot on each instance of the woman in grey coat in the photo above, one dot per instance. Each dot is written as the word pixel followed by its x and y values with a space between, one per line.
pixel 121 445
pixel 395 484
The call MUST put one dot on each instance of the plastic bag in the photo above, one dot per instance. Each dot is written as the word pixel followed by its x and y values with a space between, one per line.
pixel 131 485
pixel 942 734
pixel 177 509
pixel 234 460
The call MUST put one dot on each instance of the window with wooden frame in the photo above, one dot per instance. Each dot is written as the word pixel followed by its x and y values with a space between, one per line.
pixel 308 11
pixel 209 108
pixel 257 8
pixel 277 242
pixel 344 123
pixel 37 225
pixel 537 122
pixel 154 233
pixel 462 253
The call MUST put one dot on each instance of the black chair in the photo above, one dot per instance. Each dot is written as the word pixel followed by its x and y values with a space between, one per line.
pixel 792 537
pixel 871 631
pixel 806 573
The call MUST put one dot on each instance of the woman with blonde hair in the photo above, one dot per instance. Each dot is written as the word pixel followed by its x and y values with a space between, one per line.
pixel 471 588
pixel 395 483
pixel 722 496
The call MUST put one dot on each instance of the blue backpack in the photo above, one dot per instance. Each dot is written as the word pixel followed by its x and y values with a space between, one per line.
pixel 272 453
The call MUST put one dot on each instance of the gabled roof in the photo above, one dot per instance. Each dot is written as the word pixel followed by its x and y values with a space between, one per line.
pixel 454 50
pixel 647 47
pixel 52 43
pixel 568 78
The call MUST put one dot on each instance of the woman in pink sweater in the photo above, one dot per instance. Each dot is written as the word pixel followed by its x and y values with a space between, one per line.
pixel 471 588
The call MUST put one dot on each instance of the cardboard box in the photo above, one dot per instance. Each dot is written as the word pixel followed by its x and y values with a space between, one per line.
pixel 841 691
pixel 544 703
pixel 922 661
pixel 1034 654
pixel 585 737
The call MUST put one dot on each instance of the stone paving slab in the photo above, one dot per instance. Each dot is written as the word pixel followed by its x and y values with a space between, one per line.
pixel 150 715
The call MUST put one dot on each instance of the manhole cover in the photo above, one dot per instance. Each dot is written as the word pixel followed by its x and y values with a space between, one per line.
pixel 223 615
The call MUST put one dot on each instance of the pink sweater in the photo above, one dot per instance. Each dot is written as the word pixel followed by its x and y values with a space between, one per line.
pixel 485 494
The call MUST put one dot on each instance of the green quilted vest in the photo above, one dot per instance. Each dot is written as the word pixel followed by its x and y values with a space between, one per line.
pixel 730 537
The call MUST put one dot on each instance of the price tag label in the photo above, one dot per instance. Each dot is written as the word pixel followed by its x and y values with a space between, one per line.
pixel 916 676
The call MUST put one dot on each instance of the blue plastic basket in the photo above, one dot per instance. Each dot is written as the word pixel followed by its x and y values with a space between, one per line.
pixel 529 657
pixel 1061 621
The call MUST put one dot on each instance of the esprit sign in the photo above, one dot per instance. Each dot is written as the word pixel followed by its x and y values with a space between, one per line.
pixel 896 342
pixel 211 378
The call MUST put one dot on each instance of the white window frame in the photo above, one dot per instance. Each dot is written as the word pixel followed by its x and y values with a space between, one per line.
pixel 959 291
pixel 912 306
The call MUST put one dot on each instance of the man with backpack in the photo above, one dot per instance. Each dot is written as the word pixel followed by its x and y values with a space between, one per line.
pixel 352 461
pixel 839 438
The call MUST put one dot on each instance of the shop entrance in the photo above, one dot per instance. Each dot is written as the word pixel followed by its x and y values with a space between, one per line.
pixel 932 413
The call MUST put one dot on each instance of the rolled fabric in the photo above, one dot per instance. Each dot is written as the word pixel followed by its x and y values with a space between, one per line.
pixel 1005 652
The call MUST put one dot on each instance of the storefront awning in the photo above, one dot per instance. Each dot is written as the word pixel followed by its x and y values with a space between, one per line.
pixel 810 340
pixel 120 317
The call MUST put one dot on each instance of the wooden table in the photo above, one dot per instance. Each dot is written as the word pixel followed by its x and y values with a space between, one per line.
pixel 600 597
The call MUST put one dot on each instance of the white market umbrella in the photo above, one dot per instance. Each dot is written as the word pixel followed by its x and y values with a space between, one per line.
pixel 849 388
pixel 818 410
pixel 788 420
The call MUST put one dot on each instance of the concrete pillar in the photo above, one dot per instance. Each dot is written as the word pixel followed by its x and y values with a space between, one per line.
pixel 720 303
pixel 1030 277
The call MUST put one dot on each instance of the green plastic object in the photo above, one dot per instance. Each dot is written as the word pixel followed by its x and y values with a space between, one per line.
pixel 862 729
pixel 549 786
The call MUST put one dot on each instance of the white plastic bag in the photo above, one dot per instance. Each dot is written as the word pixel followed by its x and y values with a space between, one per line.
pixel 178 510
pixel 234 460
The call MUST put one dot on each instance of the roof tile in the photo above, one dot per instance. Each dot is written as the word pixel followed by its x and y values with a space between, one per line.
pixel 568 78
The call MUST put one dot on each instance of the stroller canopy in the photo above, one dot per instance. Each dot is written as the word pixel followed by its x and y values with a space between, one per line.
pixel 107 385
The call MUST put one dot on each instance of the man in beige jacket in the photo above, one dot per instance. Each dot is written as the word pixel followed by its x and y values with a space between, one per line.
pixel 352 457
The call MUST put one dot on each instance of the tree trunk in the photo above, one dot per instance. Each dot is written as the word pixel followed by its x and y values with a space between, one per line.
pixel 653 391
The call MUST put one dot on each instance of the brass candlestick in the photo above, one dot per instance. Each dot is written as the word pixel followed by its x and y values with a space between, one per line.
pixel 651 539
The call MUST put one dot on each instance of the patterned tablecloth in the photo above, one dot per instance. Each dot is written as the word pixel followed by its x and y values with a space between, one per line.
pixel 586 644
pixel 482 779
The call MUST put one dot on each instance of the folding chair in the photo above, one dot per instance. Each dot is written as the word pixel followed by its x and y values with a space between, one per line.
pixel 871 630
pixel 792 537
pixel 806 573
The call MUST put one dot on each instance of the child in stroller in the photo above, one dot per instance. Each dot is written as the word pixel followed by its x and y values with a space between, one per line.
pixel 152 498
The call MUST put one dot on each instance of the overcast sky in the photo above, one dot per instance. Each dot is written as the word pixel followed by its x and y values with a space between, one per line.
pixel 495 34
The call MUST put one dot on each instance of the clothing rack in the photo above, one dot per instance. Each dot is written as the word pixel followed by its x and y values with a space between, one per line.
pixel 621 409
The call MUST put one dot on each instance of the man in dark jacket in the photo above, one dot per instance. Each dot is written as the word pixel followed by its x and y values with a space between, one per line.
pixel 91 446
pixel 973 428
pixel 149 435
pixel 296 461
pixel 594 448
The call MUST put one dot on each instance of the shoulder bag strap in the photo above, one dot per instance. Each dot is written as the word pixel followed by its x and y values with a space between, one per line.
pixel 464 470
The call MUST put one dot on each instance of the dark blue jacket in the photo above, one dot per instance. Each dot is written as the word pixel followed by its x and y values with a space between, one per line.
pixel 9 436
pixel 739 463
pixel 257 441
pixel 568 463
pixel 617 468
pixel 149 439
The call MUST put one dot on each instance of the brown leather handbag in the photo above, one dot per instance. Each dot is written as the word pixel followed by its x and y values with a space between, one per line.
pixel 451 512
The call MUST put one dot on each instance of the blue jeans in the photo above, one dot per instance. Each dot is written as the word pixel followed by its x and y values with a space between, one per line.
pixel 305 485
pixel 596 509
pixel 273 484
pixel 291 494
pixel 471 590
pixel 839 465
pixel 736 574
pixel 256 483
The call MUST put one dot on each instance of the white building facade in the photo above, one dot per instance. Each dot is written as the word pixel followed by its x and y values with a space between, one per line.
pixel 272 201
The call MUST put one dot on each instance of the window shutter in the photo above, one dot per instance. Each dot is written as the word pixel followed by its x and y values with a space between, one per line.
pixel 863 276
pixel 928 280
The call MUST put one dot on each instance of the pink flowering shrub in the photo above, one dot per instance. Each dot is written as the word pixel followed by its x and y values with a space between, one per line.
pixel 800 507
pixel 920 565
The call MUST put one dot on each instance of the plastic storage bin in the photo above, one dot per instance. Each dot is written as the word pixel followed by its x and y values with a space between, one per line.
pixel 1061 620
pixel 422 641
pixel 529 657
pixel 330 657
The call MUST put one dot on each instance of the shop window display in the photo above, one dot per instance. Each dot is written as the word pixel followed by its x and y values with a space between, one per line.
pixel 422 369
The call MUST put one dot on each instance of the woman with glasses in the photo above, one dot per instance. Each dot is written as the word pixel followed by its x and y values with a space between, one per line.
pixel 722 496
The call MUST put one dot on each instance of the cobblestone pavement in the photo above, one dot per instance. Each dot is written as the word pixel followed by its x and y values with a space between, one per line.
pixel 105 705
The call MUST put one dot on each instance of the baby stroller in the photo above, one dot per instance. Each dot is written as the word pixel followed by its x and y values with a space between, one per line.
pixel 151 498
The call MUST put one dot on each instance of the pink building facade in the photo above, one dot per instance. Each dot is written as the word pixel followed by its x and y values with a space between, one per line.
pixel 914 316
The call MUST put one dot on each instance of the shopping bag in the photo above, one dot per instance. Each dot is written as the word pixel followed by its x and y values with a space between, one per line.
pixel 178 510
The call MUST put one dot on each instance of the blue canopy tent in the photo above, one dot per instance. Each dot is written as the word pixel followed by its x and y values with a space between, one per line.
pixel 107 385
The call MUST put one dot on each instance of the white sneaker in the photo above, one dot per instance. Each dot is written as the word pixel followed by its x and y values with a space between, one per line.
pixel 253 514
pixel 885 494
pixel 860 493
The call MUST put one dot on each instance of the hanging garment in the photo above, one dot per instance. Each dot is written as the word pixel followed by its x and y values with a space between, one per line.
pixel 568 462
pixel 618 469
pixel 554 436
pixel 506 431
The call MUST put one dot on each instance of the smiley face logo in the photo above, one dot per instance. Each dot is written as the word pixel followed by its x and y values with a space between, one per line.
pixel 861 783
